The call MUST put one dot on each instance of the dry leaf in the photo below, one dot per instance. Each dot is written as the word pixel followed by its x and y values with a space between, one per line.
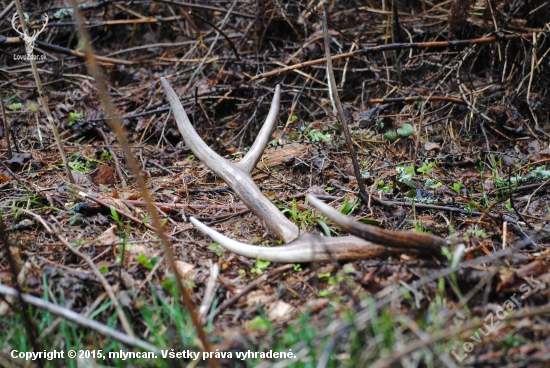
pixel 280 310
pixel 103 175
pixel 109 237
pixel 257 297
pixel 431 146
pixel 186 270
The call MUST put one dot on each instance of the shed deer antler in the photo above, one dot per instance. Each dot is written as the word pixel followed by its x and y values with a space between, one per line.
pixel 300 247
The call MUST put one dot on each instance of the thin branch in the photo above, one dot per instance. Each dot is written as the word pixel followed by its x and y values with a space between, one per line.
pixel 340 111
pixel 393 46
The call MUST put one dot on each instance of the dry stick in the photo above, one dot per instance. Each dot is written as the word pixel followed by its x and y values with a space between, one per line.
pixel 99 275
pixel 137 203
pixel 120 212
pixel 395 46
pixel 341 116
pixel 221 32
pixel 66 51
pixel 5 120
pixel 79 319
pixel 41 93
pixel 417 98
pixel 7 9
pixel 23 307
pixel 116 125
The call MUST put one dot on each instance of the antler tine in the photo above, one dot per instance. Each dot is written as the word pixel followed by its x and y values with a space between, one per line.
pixel 405 239
pixel 249 161
pixel 236 177
pixel 307 248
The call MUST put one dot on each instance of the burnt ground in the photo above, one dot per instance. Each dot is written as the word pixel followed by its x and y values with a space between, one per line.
pixel 460 147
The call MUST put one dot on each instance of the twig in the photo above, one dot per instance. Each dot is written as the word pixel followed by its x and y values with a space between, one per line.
pixel 79 319
pixel 340 111
pixel 41 92
pixel 219 31
pixel 417 98
pixel 116 125
pixel 120 212
pixel 395 46
pixel 79 54
pixel 7 9
pixel 185 205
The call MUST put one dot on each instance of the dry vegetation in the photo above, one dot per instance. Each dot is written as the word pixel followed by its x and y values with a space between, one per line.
pixel 452 139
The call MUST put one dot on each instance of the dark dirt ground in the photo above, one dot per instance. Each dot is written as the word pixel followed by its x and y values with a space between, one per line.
pixel 484 159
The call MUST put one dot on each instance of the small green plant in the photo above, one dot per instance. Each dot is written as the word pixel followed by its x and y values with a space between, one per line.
pixel 405 130
pixel 426 167
pixel 15 106
pixel 417 223
pixel 145 262
pixel 260 323
pixel 307 218
pixel 316 135
pixel 74 117
pixel 259 267
pixel 347 207
pixel 380 185
pixel 457 186
pixel 114 214
pixel 215 247
pixel 105 156
pixel 81 164
pixel 478 233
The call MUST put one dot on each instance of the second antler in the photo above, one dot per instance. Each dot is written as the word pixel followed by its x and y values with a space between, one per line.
pixel 369 242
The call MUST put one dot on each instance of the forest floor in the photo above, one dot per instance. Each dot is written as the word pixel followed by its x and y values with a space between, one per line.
pixel 456 136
